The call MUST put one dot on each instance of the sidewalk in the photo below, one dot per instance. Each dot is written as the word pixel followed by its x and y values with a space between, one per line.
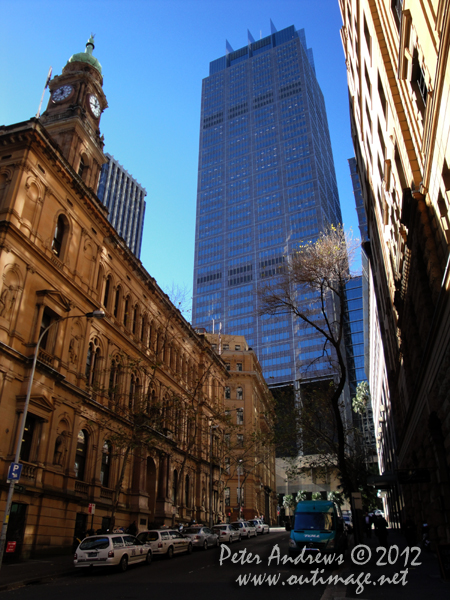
pixel 36 570
pixel 419 582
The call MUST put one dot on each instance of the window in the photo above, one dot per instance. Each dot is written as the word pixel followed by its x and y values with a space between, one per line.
pixel 367 36
pixel 174 486
pixel 228 366
pixel 26 453
pixel 125 312
pixel 106 463
pixel 117 302
pixel 227 393
pixel 107 290
pixel 239 393
pixel 239 416
pixel 81 453
pixel 239 366
pixel 237 347
pixel 92 363
pixel 59 236
pixel 47 341
pixel 186 491
pixel 81 167
pixel 240 440
pixel 226 346
pixel 418 83
pixel 226 494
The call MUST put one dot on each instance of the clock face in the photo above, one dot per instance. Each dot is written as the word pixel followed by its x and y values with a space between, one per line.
pixel 62 93
pixel 94 105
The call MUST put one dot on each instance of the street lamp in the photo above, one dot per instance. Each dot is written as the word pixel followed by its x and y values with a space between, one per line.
pixel 96 314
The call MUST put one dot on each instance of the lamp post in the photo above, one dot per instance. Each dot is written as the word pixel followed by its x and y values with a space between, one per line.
pixel 97 314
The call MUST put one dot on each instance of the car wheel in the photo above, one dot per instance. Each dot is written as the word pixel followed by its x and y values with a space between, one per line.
pixel 123 565
pixel 169 552
pixel 205 545
pixel 189 550
pixel 148 558
pixel 240 538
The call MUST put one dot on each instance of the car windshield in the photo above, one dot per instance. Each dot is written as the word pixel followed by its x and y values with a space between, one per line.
pixel 95 543
pixel 313 520
pixel 220 527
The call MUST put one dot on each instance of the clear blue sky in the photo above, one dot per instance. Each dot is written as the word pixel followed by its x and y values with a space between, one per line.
pixel 154 55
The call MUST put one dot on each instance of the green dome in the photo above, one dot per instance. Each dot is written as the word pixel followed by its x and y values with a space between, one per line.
pixel 86 56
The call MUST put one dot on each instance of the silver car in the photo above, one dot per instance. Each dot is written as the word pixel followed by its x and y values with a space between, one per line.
pixel 111 550
pixel 227 533
pixel 165 541
pixel 246 530
pixel 260 526
pixel 201 536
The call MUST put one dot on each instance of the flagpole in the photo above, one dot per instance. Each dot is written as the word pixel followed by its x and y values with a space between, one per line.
pixel 49 75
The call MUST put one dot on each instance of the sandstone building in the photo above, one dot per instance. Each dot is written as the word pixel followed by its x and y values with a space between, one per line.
pixel 397 56
pixel 120 407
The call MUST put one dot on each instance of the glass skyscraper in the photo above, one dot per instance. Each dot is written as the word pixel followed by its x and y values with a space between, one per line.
pixel 124 198
pixel 266 183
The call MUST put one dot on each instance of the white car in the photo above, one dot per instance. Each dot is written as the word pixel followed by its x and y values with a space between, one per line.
pixel 165 541
pixel 246 530
pixel 227 533
pixel 111 550
pixel 260 526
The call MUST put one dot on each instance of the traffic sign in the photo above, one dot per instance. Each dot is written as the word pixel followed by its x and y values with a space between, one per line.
pixel 14 472
pixel 91 509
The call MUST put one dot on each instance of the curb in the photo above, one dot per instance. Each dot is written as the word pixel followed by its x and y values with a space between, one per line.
pixel 34 580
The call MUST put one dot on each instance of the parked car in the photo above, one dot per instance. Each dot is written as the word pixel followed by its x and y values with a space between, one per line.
pixel 246 530
pixel 201 536
pixel 111 550
pixel 165 542
pixel 348 522
pixel 260 526
pixel 227 533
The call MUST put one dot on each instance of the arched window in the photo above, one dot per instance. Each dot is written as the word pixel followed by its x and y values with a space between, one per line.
pixel 114 381
pixel 107 290
pixel 227 393
pixel 117 301
pixel 186 490
pixel 92 363
pixel 239 393
pixel 106 464
pixel 144 323
pixel 135 318
pixel 81 453
pixel 59 236
pixel 174 486
pixel 125 312
pixel 132 393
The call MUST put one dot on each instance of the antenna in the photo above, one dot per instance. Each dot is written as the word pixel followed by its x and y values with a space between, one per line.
pixel 49 76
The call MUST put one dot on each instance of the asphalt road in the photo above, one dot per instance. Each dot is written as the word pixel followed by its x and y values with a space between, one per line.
pixel 251 570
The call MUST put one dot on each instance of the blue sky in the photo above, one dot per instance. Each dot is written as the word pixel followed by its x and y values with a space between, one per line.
pixel 154 55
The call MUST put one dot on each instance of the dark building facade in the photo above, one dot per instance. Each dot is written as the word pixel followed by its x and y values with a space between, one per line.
pixel 125 199
pixel 266 183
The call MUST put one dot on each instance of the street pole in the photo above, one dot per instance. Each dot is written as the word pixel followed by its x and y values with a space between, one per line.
pixel 98 314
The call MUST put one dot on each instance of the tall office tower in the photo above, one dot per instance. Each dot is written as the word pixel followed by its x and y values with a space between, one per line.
pixel 266 183
pixel 124 197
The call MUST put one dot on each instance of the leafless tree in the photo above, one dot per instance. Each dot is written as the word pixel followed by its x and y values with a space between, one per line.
pixel 321 269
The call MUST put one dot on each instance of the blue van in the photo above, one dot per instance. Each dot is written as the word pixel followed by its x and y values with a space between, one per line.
pixel 318 527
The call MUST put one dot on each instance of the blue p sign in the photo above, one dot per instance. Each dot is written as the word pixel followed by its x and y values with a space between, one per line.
pixel 14 472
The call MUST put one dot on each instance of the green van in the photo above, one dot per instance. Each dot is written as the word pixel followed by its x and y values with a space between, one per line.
pixel 318 527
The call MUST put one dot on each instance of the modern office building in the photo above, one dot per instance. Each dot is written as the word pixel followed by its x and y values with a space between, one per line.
pixel 266 183
pixel 124 197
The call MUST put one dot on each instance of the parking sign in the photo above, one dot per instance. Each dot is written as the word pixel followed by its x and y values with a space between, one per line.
pixel 14 472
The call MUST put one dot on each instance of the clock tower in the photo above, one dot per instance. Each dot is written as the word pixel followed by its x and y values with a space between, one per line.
pixel 73 114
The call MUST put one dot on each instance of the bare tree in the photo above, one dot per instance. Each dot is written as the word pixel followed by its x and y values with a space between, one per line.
pixel 321 270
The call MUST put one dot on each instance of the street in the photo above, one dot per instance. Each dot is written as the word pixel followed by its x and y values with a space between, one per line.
pixel 198 576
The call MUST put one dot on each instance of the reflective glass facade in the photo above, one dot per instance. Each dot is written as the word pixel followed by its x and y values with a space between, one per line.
pixel 266 182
